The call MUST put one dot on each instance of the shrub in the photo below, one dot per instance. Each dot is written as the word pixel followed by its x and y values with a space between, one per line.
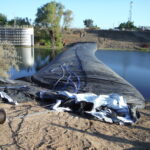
pixel 8 58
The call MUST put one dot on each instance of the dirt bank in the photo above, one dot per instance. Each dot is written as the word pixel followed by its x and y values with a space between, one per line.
pixel 65 131
pixel 110 39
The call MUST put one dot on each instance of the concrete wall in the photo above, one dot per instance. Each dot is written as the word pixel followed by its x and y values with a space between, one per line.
pixel 17 36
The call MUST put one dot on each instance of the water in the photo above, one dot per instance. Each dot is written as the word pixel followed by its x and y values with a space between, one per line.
pixel 30 61
pixel 132 66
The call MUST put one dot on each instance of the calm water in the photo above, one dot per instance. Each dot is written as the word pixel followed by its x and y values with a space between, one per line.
pixel 30 61
pixel 133 66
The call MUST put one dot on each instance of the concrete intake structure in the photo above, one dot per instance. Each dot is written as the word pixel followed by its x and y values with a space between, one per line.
pixel 18 36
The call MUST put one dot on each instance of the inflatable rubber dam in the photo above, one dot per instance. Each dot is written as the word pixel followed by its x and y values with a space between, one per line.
pixel 76 70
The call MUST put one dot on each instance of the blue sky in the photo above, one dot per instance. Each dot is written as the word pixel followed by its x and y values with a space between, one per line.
pixel 105 13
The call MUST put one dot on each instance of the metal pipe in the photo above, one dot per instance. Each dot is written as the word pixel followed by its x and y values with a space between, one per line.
pixel 2 116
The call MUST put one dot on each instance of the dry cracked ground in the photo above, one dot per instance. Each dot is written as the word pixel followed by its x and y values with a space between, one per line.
pixel 33 127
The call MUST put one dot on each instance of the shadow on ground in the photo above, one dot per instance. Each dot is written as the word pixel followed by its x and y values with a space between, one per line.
pixel 136 144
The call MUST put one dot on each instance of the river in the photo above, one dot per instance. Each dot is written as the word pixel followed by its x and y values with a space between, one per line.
pixel 133 66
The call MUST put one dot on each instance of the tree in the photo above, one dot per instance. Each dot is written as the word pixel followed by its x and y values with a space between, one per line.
pixel 49 16
pixel 20 21
pixel 127 26
pixel 88 23
pixel 3 19
pixel 67 19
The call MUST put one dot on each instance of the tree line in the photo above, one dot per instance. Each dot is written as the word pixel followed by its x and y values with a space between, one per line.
pixel 16 21
pixel 51 9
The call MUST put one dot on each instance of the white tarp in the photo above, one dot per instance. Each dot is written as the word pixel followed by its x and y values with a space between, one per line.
pixel 109 108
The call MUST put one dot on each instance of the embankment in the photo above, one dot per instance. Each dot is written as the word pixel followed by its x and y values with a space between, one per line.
pixel 109 39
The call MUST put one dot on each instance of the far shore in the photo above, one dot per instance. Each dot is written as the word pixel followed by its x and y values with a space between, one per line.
pixel 112 49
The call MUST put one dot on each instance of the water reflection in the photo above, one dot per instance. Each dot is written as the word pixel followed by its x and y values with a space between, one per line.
pixel 132 66
pixel 29 62
pixel 27 56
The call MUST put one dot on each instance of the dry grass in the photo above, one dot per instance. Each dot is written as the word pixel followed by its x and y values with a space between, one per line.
pixel 8 58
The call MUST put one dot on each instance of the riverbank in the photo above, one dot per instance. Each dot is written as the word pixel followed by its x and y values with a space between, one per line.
pixel 38 129
pixel 108 39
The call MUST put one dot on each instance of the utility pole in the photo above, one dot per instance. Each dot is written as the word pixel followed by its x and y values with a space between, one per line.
pixel 130 11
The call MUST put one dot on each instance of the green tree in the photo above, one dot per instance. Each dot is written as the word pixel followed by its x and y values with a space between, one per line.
pixel 67 20
pixel 3 19
pixel 41 36
pixel 127 26
pixel 88 23
pixel 20 21
pixel 49 16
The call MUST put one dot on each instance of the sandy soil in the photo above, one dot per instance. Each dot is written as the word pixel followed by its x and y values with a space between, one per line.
pixel 30 127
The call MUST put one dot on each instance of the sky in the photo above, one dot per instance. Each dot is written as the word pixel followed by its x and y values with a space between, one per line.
pixel 105 13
